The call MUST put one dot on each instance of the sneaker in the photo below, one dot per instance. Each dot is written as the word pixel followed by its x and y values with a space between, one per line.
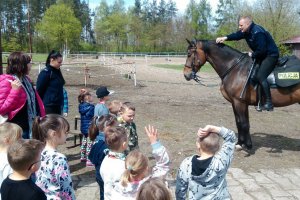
pixel 89 163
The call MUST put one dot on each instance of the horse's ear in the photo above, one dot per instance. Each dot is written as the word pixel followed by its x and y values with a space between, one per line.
pixel 188 42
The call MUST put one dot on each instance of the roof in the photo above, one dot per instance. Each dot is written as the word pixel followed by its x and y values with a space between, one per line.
pixel 293 40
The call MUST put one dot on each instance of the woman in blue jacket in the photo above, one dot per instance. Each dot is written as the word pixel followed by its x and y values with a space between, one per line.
pixel 50 84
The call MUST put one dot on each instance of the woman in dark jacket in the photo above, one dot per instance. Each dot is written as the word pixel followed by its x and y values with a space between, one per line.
pixel 50 84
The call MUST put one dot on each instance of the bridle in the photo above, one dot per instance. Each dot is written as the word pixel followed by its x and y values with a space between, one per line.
pixel 193 51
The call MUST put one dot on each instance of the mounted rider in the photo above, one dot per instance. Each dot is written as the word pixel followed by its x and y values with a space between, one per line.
pixel 265 52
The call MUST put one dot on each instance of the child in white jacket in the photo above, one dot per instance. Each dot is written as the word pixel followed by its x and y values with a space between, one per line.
pixel 113 164
pixel 137 168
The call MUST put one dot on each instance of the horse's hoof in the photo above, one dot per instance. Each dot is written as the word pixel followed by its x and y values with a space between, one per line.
pixel 244 148
pixel 238 147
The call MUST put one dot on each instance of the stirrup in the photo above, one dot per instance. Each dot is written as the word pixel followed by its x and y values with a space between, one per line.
pixel 259 107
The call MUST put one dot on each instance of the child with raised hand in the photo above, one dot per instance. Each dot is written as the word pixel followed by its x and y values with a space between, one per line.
pixel 9 133
pixel 100 149
pixel 86 110
pixel 113 165
pixel 54 176
pixel 202 176
pixel 126 117
pixel 154 189
pixel 137 168
pixel 24 157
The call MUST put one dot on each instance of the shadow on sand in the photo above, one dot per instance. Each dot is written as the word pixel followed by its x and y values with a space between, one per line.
pixel 275 143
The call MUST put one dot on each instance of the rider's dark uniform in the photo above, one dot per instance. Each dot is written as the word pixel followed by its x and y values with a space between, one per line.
pixel 265 52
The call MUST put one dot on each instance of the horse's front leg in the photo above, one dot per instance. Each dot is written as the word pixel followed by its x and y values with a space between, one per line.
pixel 241 114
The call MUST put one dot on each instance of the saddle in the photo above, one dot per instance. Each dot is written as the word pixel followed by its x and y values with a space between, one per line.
pixel 286 73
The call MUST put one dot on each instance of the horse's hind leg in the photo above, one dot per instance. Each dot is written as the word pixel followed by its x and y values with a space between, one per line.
pixel 241 114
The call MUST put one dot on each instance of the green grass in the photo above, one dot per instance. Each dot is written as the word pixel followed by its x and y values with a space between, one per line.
pixel 205 68
pixel 36 57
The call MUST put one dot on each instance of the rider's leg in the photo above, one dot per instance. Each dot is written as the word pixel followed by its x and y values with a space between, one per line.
pixel 266 90
pixel 266 67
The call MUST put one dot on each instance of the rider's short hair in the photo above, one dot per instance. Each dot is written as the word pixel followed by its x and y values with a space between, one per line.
pixel 248 17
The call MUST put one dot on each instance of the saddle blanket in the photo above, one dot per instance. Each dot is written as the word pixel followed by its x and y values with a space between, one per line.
pixel 286 75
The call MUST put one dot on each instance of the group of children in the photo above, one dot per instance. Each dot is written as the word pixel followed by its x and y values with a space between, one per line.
pixel 34 169
pixel 123 172
pixel 123 112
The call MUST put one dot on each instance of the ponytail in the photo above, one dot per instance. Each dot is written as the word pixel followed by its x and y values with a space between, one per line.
pixel 37 132
pixel 41 126
pixel 93 129
pixel 98 124
pixel 83 93
pixel 125 178
pixel 136 164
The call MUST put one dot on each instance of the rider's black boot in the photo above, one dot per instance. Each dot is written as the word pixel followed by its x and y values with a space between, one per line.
pixel 266 89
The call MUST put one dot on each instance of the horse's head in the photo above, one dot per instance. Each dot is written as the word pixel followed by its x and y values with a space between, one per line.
pixel 195 59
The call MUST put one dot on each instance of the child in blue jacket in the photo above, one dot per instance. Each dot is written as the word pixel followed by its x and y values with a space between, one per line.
pixel 86 110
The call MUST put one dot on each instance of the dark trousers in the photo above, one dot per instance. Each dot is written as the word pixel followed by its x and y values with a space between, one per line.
pixel 53 109
pixel 266 67
pixel 101 185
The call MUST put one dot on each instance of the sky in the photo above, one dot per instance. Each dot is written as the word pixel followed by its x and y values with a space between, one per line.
pixel 180 4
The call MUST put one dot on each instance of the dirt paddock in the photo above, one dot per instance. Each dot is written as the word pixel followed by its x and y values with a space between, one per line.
pixel 178 108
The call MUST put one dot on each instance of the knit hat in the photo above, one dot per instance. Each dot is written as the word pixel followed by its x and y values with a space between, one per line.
pixel 102 92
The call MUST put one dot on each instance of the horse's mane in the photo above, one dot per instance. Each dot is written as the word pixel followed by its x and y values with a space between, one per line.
pixel 221 45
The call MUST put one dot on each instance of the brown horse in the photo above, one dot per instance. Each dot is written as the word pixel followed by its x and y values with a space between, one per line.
pixel 233 67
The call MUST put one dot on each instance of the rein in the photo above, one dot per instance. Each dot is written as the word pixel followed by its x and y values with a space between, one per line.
pixel 233 66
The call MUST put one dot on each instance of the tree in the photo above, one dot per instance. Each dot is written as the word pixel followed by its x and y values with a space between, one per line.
pixel 82 12
pixel 59 27
pixel 204 19
pixel 102 12
pixel 118 6
pixel 199 16
pixel 137 9
pixel 279 17
pixel 226 19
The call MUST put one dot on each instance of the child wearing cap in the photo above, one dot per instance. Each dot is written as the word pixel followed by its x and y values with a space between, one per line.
pixel 103 96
